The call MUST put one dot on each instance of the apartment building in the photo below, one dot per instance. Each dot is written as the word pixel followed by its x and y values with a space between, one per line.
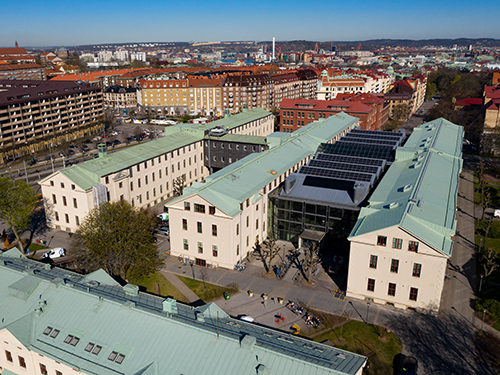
pixel 182 96
pixel 410 92
pixel 252 89
pixel 216 223
pixel 58 322
pixel 32 112
pixel 120 97
pixel 16 56
pixel 403 239
pixel 143 175
pixel 333 82
pixel 22 72
pixel 492 107
pixel 285 86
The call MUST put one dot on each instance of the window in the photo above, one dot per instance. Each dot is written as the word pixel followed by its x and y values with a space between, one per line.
pixel 146 180
pixel 59 372
pixel 187 205
pixel 371 285
pixel 131 186
pixel 199 208
pixel 199 227
pixel 200 247
pixel 139 182
pixel 215 252
pixel 394 265
pixel 89 347
pixel 138 168
pixel 75 203
pixel 62 185
pixel 214 230
pixel 417 268
pixel 77 220
pixel 413 246
pixel 22 362
pixel 146 165
pixel 186 244
pixel 248 220
pixel 113 356
pixel 237 250
pixel 237 229
pixel 211 210
pixel 51 183
pixel 65 202
pixel 248 241
pixel 54 200
pixel 106 179
pixel 97 350
pixel 54 333
pixel 397 243
pixel 381 240
pixel 8 355
pixel 373 261
pixel 184 224
pixel 43 369
pixel 413 294
pixel 66 217
pixel 392 289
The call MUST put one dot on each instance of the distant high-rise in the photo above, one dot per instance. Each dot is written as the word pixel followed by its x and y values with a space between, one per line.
pixel 17 44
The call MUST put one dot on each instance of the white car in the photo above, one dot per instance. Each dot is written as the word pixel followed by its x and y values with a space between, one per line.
pixel 163 230
pixel 55 253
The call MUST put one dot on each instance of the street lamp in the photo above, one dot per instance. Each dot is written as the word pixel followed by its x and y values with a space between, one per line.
pixel 367 311
pixel 484 314
pixel 480 244
pixel 481 283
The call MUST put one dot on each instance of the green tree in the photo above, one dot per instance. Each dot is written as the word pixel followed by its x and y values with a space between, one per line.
pixel 401 112
pixel 17 205
pixel 118 238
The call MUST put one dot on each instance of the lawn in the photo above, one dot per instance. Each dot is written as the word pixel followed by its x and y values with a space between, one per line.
pixel 34 247
pixel 362 338
pixel 207 291
pixel 166 288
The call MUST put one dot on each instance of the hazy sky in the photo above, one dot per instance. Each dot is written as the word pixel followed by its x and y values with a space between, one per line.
pixel 56 22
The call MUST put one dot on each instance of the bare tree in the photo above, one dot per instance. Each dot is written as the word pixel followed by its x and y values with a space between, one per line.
pixel 485 202
pixel 268 252
pixel 489 261
pixel 178 185
pixel 311 258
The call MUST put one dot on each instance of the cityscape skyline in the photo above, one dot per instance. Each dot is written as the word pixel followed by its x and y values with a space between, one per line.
pixel 109 22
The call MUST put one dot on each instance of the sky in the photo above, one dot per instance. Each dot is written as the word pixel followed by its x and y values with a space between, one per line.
pixel 70 23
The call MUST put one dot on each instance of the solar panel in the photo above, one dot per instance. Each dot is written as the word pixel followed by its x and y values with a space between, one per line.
pixel 377 132
pixel 351 159
pixel 342 175
pixel 377 142
pixel 360 150
pixel 373 136
pixel 344 167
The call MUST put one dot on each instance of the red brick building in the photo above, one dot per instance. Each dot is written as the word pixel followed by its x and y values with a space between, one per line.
pixel 296 113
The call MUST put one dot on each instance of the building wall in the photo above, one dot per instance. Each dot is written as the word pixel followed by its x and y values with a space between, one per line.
pixel 33 360
pixel 429 284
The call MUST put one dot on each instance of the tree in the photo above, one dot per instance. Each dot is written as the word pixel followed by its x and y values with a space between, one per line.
pixel 17 205
pixel 268 252
pixel 311 258
pixel 489 261
pixel 138 133
pixel 401 112
pixel 178 185
pixel 118 238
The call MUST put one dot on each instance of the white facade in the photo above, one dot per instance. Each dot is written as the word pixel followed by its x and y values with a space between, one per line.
pixel 139 56
pixel 18 359
pixel 417 277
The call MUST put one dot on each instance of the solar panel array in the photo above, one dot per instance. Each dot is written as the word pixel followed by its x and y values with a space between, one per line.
pixel 332 173
pixel 373 137
pixel 373 142
pixel 358 149
pixel 351 159
pixel 399 135
pixel 344 167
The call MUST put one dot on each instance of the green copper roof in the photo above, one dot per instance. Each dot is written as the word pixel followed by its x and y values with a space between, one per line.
pixel 87 174
pixel 419 191
pixel 232 185
pixel 144 336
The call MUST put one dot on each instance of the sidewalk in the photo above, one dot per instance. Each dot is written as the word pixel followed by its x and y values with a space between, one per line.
pixel 181 287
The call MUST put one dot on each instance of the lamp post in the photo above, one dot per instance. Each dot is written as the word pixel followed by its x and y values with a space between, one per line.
pixel 367 311
pixel 481 283
pixel 484 314
pixel 480 244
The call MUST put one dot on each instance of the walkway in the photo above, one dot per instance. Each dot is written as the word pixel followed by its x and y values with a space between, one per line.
pixel 181 287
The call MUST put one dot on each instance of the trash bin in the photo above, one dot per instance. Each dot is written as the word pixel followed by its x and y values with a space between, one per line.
pixel 226 295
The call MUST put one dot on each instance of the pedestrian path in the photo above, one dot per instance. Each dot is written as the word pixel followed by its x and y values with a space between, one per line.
pixel 181 287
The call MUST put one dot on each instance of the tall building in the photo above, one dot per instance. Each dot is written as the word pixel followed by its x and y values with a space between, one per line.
pixel 56 322
pixel 35 113
pixel 22 72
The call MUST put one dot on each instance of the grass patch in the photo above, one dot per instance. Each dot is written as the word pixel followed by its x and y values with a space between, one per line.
pixel 166 288
pixel 362 338
pixel 34 247
pixel 497 325
pixel 207 291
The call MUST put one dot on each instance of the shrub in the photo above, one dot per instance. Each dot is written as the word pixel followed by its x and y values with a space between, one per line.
pixel 491 305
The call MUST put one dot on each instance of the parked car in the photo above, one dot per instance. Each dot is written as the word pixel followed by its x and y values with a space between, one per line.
pixel 163 216
pixel 116 142
pixel 109 144
pixel 73 146
pixel 55 253
pixel 163 230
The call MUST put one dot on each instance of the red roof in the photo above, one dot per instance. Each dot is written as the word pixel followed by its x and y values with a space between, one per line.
pixel 469 102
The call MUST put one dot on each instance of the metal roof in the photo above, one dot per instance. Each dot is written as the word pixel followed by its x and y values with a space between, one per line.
pixel 103 329
pixel 87 174
pixel 230 186
pixel 419 190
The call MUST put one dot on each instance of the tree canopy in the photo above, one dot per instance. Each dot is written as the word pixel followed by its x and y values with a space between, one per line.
pixel 17 205
pixel 119 238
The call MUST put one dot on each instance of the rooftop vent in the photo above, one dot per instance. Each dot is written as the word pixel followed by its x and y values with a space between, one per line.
pixel 393 205
pixel 417 164
pixel 170 306
pixel 248 342
pixel 407 187
pixel 101 148
pixel 131 290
